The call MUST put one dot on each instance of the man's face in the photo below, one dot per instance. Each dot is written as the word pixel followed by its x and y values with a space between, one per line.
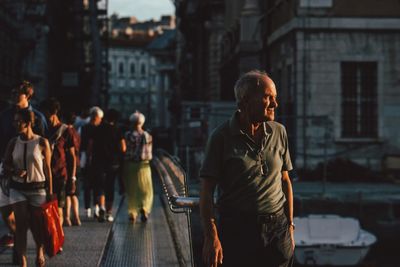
pixel 18 98
pixel 97 120
pixel 263 103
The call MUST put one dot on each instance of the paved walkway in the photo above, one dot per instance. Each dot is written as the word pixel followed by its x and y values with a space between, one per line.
pixel 84 245
pixel 111 244
pixel 141 244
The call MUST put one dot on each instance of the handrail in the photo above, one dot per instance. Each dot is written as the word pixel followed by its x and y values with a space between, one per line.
pixel 165 178
pixel 177 203
pixel 168 186
pixel 185 202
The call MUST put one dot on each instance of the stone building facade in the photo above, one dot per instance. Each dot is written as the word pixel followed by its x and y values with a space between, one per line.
pixel 132 78
pixel 141 68
pixel 337 67
pixel 335 62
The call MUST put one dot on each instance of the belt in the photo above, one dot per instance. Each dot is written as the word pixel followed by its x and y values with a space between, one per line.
pixel 252 217
pixel 27 186
pixel 264 218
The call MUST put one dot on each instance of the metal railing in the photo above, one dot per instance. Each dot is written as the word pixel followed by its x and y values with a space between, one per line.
pixel 175 186
pixel 174 181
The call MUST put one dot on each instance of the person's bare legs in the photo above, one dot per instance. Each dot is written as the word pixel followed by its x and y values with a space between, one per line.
pixel 102 201
pixel 109 206
pixel 75 209
pixel 60 213
pixel 36 216
pixel 8 217
pixel 22 222
pixel 102 204
pixel 68 211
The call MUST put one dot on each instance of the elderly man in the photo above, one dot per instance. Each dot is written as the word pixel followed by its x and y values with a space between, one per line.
pixel 87 136
pixel 248 159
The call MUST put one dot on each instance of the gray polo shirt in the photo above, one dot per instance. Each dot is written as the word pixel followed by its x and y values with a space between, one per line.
pixel 249 176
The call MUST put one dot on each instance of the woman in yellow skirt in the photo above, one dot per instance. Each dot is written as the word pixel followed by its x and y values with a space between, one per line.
pixel 136 169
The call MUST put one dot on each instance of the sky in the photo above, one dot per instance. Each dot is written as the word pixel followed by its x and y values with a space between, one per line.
pixel 141 9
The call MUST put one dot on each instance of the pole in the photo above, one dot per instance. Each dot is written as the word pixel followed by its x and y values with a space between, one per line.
pixel 324 174
pixel 187 156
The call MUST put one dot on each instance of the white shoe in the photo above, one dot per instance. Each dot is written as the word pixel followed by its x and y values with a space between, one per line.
pixel 109 218
pixel 89 213
pixel 96 211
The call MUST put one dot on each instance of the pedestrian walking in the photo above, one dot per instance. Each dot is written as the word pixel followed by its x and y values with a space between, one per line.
pixel 27 160
pixel 136 169
pixel 72 187
pixel 61 141
pixel 21 96
pixel 96 117
pixel 107 147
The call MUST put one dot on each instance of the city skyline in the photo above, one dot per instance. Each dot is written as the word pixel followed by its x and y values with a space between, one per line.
pixel 141 9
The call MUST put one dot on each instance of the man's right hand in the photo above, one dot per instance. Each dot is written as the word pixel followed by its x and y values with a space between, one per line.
pixel 212 251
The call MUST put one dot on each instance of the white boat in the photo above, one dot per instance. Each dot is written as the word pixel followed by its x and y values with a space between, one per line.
pixel 330 240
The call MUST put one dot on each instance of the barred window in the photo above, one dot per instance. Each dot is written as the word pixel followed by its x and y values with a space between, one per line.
pixel 359 99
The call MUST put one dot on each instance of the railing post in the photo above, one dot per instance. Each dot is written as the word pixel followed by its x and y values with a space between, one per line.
pixel 187 157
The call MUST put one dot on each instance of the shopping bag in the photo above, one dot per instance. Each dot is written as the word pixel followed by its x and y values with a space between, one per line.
pixel 53 234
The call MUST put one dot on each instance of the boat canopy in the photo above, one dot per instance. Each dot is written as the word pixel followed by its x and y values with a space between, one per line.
pixel 326 229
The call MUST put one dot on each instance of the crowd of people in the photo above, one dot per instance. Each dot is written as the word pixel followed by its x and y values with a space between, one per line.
pixel 47 153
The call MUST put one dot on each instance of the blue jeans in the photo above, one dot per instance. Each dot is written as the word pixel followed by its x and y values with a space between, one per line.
pixel 256 240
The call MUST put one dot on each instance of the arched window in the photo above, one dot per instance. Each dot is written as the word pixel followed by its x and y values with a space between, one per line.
pixel 133 69
pixel 143 69
pixel 121 68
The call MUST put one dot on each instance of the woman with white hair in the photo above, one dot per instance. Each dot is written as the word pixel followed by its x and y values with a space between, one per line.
pixel 136 169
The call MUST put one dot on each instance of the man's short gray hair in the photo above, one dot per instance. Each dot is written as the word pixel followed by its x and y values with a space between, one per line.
pixel 248 82
pixel 96 112
pixel 137 117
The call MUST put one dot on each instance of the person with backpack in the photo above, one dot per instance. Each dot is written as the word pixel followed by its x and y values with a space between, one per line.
pixel 60 137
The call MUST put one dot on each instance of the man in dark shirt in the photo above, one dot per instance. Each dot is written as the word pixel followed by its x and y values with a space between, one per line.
pixel 87 133
pixel 106 153
pixel 248 159
pixel 20 98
